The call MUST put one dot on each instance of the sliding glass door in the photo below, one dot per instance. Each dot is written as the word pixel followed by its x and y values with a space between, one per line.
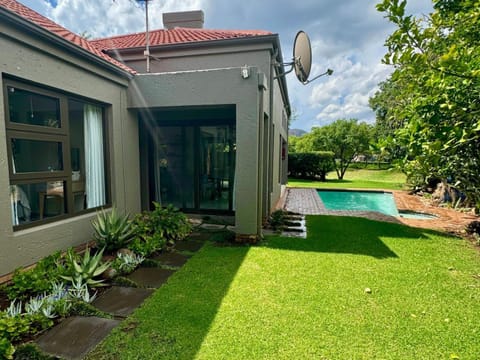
pixel 193 166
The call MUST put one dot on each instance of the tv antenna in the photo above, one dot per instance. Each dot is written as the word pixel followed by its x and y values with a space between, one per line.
pixel 146 53
pixel 302 60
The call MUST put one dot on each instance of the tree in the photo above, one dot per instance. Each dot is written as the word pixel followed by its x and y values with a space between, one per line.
pixel 432 99
pixel 345 138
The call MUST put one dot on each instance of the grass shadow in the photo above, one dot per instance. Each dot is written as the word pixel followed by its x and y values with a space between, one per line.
pixel 174 321
pixel 333 234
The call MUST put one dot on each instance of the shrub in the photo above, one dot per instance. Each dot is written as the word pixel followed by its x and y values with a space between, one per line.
pixel 31 351
pixel 6 349
pixel 278 219
pixel 32 282
pixel 146 245
pixel 112 231
pixel 153 229
pixel 311 165
pixel 17 327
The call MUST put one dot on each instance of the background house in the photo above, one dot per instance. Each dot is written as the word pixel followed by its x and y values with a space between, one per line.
pixel 86 126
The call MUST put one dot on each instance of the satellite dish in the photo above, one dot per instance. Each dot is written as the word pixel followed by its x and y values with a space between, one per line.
pixel 302 60
pixel 302 56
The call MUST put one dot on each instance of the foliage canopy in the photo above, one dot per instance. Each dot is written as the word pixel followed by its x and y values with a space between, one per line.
pixel 430 105
pixel 345 138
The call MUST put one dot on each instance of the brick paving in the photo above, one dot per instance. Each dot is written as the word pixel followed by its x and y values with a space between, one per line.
pixel 306 201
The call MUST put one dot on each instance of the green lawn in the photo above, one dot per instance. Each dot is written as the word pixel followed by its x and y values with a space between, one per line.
pixel 390 179
pixel 305 299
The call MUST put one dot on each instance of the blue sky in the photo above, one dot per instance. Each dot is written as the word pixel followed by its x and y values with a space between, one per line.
pixel 347 36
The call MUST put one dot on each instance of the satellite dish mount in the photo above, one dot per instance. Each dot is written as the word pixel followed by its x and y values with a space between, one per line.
pixel 302 60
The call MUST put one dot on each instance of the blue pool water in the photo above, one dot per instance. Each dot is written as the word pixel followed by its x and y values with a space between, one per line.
pixel 360 201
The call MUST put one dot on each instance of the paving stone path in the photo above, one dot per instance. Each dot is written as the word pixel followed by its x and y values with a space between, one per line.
pixel 74 337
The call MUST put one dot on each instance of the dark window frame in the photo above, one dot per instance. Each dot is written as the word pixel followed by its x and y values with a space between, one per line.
pixel 15 130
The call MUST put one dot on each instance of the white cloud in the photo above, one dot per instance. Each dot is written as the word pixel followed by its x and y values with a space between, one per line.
pixel 113 17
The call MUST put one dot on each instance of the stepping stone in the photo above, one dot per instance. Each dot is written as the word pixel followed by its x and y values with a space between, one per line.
pixel 121 301
pixel 212 226
pixel 198 236
pixel 150 277
pixel 188 245
pixel 74 337
pixel 172 259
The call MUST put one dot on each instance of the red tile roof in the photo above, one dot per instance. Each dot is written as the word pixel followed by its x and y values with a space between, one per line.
pixel 47 24
pixel 172 36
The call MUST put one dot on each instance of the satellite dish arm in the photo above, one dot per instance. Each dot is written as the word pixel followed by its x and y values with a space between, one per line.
pixel 328 72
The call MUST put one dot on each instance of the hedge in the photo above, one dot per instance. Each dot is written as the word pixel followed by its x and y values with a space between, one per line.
pixel 312 165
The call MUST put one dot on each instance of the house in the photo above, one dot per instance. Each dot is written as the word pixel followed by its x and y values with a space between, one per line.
pixel 90 124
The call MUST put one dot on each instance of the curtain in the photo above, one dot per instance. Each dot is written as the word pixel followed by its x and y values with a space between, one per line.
pixel 94 157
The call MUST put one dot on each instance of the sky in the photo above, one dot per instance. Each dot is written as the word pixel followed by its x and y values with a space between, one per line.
pixel 347 36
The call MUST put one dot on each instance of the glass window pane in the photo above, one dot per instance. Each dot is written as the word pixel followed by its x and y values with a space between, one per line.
pixel 173 166
pixel 36 156
pixel 37 201
pixel 216 160
pixel 26 107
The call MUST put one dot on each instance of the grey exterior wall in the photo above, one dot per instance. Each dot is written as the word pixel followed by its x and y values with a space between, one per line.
pixel 271 112
pixel 189 89
pixel 177 58
pixel 34 59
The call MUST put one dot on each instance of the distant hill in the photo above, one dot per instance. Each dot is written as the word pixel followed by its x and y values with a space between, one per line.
pixel 296 132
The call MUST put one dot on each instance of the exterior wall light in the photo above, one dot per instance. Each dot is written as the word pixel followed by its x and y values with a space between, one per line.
pixel 245 72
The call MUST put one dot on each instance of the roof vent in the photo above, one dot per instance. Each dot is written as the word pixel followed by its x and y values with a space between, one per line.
pixel 187 19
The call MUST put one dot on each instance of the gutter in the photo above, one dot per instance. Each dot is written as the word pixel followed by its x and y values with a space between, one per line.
pixel 37 30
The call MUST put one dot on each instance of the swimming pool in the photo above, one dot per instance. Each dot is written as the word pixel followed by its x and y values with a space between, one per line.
pixel 382 202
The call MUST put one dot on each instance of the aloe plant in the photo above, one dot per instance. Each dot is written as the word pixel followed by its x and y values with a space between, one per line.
pixel 112 231
pixel 87 269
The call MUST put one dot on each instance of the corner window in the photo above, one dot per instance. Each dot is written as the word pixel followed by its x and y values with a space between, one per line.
pixel 57 154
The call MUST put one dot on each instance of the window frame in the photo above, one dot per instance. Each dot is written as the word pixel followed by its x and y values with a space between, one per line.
pixel 15 130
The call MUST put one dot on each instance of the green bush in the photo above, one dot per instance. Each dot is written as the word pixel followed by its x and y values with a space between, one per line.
pixel 277 219
pixel 153 229
pixel 146 245
pixel 16 327
pixel 30 351
pixel 311 165
pixel 6 349
pixel 112 231
pixel 35 281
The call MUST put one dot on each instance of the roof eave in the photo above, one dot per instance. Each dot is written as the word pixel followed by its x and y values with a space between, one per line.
pixel 52 37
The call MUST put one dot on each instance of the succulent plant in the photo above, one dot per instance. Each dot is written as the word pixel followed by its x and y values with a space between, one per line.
pixel 85 270
pixel 112 231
